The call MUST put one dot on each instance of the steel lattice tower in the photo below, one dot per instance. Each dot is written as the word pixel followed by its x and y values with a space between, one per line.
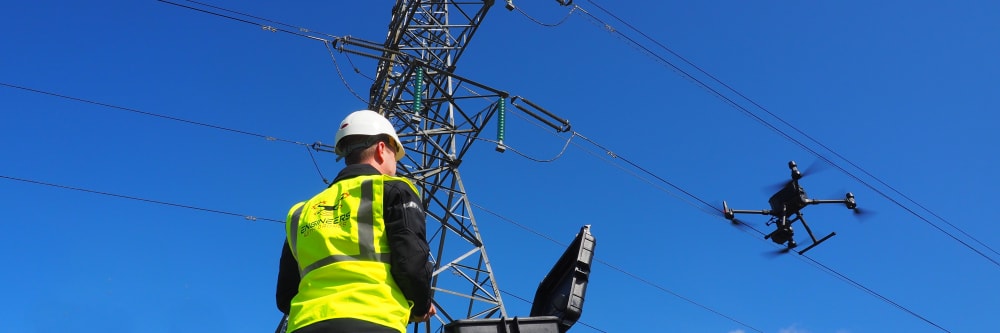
pixel 438 116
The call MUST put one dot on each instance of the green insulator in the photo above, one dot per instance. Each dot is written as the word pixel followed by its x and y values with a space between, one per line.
pixel 418 91
pixel 501 119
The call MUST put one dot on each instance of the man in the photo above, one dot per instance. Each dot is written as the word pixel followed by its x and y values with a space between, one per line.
pixel 355 257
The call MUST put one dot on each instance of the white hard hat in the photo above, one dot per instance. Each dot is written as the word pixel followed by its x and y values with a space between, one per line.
pixel 366 122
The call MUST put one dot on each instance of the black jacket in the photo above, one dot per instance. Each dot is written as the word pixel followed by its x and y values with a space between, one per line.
pixel 406 229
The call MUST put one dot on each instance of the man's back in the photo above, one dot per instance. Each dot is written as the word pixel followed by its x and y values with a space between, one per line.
pixel 358 249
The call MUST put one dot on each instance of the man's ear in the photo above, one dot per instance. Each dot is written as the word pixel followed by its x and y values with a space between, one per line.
pixel 379 158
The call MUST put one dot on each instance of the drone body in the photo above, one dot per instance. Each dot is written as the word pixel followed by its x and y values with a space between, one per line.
pixel 786 208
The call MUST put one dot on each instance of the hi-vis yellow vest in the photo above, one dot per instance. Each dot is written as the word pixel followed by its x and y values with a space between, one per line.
pixel 337 238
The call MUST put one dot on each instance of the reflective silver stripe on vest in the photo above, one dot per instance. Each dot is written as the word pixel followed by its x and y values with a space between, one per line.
pixel 366 222
pixel 294 235
pixel 379 257
pixel 366 234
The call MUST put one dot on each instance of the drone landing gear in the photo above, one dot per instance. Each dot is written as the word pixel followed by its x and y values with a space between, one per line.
pixel 815 242
pixel 784 234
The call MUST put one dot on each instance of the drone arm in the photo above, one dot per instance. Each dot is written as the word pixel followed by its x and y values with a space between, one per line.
pixel 823 201
pixel 848 201
pixel 742 211
pixel 731 213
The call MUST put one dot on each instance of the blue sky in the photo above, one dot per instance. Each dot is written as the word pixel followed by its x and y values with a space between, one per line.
pixel 905 90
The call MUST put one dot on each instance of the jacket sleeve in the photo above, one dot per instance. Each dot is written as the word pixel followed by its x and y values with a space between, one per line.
pixel 406 229
pixel 288 280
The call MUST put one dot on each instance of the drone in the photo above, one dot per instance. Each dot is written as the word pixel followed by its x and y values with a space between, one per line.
pixel 786 208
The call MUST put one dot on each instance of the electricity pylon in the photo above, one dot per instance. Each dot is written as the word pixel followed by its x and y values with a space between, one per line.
pixel 438 115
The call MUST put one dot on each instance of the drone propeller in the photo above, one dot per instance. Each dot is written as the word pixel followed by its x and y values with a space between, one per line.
pixel 813 168
pixel 859 213
pixel 862 214
pixel 775 187
pixel 816 166
pixel 776 253
pixel 740 224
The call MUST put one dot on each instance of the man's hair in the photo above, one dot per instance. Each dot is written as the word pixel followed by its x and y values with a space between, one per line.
pixel 361 148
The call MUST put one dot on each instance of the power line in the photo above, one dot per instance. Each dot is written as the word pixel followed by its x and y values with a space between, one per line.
pixel 328 41
pixel 530 302
pixel 266 137
pixel 821 144
pixel 298 28
pixel 782 133
pixel 872 292
pixel 620 270
pixel 738 93
pixel 247 217
pixel 709 209
pixel 301 32
pixel 336 65
pixel 186 121
pixel 558 23
pixel 609 153
pixel 529 157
